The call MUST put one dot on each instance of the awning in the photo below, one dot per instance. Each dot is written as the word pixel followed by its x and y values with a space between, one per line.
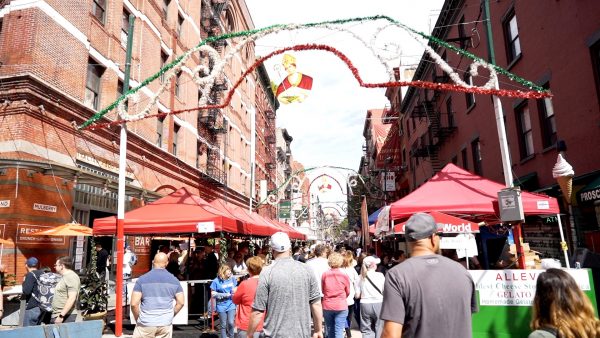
pixel 591 192
pixel 390 148
pixel 448 223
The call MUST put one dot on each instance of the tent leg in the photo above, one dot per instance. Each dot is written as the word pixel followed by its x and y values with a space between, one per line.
pixel 563 244
pixel 518 237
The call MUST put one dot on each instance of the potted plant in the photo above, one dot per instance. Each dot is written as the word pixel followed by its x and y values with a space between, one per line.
pixel 93 296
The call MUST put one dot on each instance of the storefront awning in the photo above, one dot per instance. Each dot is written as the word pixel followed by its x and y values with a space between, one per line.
pixel 591 192
pixel 390 149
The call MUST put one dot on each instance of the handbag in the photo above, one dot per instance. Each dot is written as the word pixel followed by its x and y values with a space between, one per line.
pixel 375 286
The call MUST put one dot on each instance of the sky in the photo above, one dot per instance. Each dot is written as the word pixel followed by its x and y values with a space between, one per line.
pixel 327 127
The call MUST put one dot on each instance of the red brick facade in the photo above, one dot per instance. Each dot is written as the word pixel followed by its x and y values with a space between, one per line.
pixel 44 51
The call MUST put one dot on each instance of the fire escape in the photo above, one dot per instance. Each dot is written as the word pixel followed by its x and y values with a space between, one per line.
pixel 211 122
pixel 440 127
pixel 271 140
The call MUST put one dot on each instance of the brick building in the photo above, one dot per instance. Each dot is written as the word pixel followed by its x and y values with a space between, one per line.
pixel 554 44
pixel 62 61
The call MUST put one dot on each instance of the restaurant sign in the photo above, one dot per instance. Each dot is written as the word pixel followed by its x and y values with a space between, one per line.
pixel 515 287
pixel 25 235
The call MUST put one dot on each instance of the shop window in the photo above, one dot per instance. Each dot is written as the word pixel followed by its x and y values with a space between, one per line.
pixel 547 121
pixel 524 131
pixel 176 128
pixel 160 123
pixel 99 10
pixel 511 37
pixel 92 84
pixel 469 97
pixel 476 153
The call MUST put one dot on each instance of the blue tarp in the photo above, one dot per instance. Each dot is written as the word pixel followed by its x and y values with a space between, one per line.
pixel 372 217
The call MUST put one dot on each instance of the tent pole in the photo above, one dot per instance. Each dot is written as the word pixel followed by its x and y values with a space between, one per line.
pixel 519 245
pixel 563 244
pixel 121 193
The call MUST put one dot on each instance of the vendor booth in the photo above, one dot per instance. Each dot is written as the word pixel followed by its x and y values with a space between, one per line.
pixel 183 213
pixel 504 296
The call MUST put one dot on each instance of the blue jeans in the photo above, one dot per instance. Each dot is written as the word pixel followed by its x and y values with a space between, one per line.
pixel 242 334
pixel 335 323
pixel 32 316
pixel 226 319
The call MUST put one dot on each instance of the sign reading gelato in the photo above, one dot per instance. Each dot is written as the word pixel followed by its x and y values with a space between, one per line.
pixel 515 287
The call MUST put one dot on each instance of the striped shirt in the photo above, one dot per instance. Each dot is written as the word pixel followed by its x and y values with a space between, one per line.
pixel 158 288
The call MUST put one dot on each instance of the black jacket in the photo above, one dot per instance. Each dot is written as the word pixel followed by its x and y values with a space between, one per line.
pixel 30 287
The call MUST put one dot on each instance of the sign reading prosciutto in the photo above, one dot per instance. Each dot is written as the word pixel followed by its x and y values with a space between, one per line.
pixel 515 287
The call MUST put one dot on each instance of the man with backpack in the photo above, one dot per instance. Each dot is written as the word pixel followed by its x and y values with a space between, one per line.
pixel 65 294
pixel 33 312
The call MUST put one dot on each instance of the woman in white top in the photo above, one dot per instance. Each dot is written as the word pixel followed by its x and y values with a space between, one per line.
pixel 371 296
pixel 348 269
pixel 239 267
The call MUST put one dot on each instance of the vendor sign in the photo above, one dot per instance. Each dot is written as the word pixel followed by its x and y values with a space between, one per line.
pixel 515 287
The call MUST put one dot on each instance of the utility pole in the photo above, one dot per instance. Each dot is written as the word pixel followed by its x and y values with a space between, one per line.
pixel 121 193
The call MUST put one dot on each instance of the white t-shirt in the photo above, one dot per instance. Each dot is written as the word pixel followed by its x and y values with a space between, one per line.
pixel 353 276
pixel 318 265
pixel 368 293
pixel 239 269
pixel 126 262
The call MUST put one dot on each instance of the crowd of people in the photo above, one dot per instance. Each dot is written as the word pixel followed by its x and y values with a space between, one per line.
pixel 318 291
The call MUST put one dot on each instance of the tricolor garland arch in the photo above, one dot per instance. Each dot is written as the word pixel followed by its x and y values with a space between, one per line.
pixel 205 77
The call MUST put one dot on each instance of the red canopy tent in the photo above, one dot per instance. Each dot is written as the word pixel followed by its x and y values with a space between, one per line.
pixel 448 223
pixel 455 190
pixel 252 226
pixel 179 212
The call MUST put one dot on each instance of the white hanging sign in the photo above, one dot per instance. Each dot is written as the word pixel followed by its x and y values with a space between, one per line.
pixel 205 227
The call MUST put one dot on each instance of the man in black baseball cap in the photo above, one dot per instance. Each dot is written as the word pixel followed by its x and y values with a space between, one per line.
pixel 427 288
pixel 33 313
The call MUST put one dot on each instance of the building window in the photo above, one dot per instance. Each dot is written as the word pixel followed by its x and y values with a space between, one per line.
pixel 180 21
pixel 165 7
pixel 547 121
pixel 92 84
pixel 524 130
pixel 160 122
pixel 511 37
pixel 124 27
pixel 465 160
pixel 450 112
pixel 178 85
pixel 595 52
pixel 454 159
pixel 120 90
pixel 476 153
pixel 176 128
pixel 462 36
pixel 469 97
pixel 164 58
pixel 99 9
pixel 198 153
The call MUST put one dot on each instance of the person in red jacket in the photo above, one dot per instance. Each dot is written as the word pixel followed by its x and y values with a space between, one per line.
pixel 244 297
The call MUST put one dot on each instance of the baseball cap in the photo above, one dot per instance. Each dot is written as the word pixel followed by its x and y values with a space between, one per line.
pixel 370 260
pixel 32 262
pixel 420 226
pixel 280 242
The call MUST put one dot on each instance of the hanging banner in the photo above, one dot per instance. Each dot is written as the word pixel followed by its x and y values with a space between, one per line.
pixel 285 208
pixel 295 86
